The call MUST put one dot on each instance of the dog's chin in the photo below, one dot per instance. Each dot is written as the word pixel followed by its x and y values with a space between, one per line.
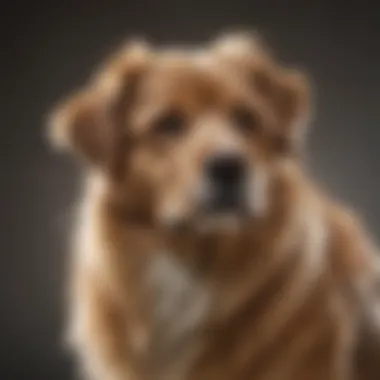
pixel 226 222
pixel 209 218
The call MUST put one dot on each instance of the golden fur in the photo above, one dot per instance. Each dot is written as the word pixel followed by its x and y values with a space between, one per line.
pixel 161 291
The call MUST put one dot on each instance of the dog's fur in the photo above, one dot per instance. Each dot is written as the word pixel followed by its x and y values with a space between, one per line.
pixel 160 290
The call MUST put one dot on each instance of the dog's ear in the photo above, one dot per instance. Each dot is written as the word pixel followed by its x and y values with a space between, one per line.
pixel 85 123
pixel 286 90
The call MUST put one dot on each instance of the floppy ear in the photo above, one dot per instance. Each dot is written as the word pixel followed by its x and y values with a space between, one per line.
pixel 81 125
pixel 286 90
pixel 85 123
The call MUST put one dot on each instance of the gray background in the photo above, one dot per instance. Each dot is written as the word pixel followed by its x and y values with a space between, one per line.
pixel 48 50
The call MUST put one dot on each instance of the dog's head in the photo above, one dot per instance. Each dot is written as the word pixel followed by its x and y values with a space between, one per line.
pixel 189 136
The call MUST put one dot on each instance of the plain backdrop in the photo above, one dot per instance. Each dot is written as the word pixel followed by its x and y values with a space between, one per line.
pixel 49 50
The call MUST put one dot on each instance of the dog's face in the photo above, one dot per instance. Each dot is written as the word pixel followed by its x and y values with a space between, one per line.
pixel 196 137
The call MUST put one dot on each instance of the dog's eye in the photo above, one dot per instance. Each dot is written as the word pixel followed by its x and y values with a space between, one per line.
pixel 170 124
pixel 245 119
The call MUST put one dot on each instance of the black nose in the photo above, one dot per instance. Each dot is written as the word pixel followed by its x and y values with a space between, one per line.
pixel 226 170
pixel 226 174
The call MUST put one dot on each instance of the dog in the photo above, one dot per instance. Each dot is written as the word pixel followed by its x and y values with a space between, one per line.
pixel 202 248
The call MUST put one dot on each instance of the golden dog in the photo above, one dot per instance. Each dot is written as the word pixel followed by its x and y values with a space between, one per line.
pixel 203 250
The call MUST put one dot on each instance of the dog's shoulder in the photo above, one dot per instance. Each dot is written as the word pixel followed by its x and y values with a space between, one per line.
pixel 356 265
pixel 352 250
